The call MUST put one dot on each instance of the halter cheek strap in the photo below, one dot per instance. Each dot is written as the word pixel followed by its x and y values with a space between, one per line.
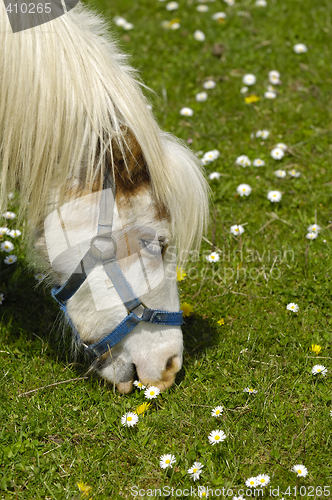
pixel 95 256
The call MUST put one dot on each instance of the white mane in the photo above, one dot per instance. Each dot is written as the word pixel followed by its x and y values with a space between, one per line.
pixel 66 92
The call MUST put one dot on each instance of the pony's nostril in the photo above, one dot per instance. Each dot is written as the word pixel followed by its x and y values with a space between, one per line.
pixel 169 364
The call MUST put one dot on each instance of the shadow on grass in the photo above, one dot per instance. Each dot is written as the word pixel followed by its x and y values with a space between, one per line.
pixel 199 335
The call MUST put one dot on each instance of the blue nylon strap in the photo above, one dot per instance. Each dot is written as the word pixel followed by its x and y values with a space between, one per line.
pixel 149 316
pixel 122 286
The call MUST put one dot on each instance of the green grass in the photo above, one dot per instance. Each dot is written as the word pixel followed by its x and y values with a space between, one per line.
pixel 58 436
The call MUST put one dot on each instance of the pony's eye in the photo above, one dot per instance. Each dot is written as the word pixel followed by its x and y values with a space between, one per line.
pixel 152 247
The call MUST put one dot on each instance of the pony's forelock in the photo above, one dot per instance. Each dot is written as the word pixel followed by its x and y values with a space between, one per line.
pixel 66 92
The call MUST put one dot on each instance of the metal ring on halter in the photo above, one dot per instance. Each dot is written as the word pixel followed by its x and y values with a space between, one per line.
pixel 108 254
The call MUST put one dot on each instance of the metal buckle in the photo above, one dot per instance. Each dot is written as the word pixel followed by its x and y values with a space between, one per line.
pixel 100 254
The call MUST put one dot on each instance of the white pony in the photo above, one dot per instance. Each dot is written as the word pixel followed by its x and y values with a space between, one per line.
pixel 73 114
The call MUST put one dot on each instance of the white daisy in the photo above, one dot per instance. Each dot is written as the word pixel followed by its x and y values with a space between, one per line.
pixel 274 196
pixel 210 156
pixel 300 470
pixel 300 48
pixel 261 3
pixel 216 437
pixel 312 235
pixel 250 390
pixel 258 163
pixel 129 419
pixel 218 16
pixel 244 90
pixel 315 228
pixel 9 215
pixel 217 411
pixel 319 369
pixel 237 229
pixel 172 6
pixel 280 173
pixel 270 95
pixel 292 307
pixel 243 190
pixel 249 79
pixel 263 480
pixel 7 246
pixel 294 173
pixel 202 8
pixel 203 492
pixel 139 385
pixel 201 96
pixel 119 21
pixel 186 111
pixel 214 175
pixel 4 230
pixel 209 84
pixel 39 276
pixel 243 160
pixel 263 134
pixel 195 470
pixel 282 146
pixel 213 257
pixel 199 36
pixel 10 259
pixel 277 153
pixel 128 26
pixel 230 2
pixel 166 461
pixel 151 392
pixel 251 482
pixel 14 233
pixel 274 77
pixel 174 26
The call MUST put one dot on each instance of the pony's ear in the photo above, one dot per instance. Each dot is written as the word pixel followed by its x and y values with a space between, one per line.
pixel 130 169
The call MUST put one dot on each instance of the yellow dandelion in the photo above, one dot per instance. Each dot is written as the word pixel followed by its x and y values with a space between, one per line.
pixel 84 489
pixel 187 309
pixel 251 98
pixel 142 408
pixel 316 348
pixel 221 322
pixel 180 274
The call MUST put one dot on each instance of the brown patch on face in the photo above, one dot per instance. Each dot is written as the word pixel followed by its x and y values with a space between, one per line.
pixel 130 169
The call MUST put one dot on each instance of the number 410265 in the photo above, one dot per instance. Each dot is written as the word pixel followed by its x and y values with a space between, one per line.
pixel 29 8
pixel 308 491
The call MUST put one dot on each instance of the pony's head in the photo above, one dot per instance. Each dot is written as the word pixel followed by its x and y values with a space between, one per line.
pixel 71 111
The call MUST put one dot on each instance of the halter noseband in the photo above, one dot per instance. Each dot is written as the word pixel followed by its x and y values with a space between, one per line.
pixel 108 259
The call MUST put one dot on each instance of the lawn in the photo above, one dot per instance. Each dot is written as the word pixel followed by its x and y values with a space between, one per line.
pixel 66 441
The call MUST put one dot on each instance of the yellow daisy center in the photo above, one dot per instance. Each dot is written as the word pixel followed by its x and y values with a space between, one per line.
pixel 262 480
pixel 252 482
pixel 129 418
pixel 217 412
pixel 167 461
pixel 299 471
pixel 319 370
pixel 243 189
pixel 195 470
pixel 217 438
pixel 152 393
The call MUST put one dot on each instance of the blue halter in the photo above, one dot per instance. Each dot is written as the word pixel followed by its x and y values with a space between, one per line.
pixel 95 256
